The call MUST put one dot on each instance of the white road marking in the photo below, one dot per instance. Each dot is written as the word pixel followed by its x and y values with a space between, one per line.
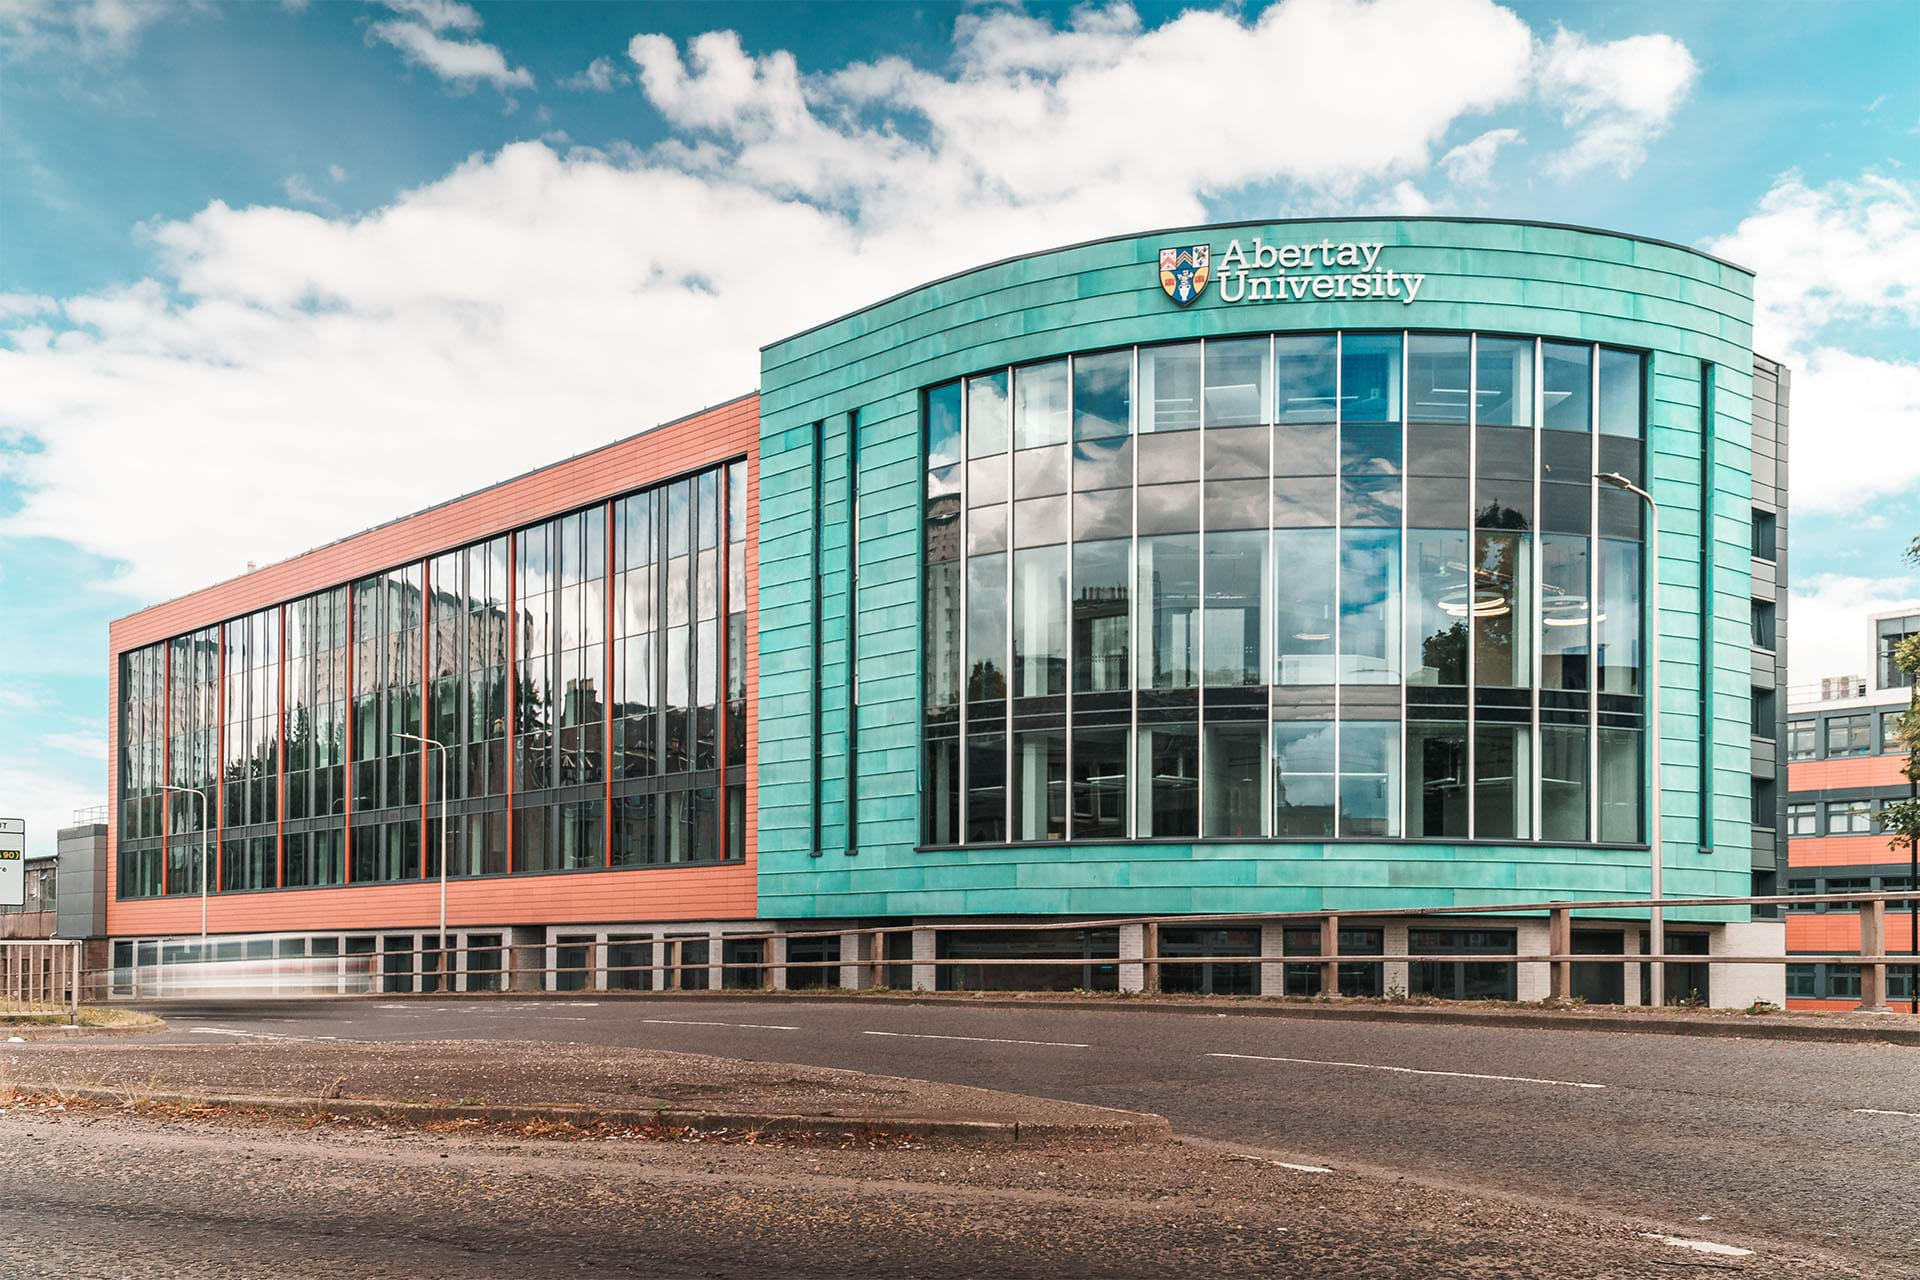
pixel 1046 1044
pixel 254 1035
pixel 689 1022
pixel 1409 1071
pixel 1876 1111
pixel 1699 1246
pixel 1279 1164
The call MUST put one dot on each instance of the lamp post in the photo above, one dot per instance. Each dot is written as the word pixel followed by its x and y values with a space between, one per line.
pixel 206 833
pixel 442 748
pixel 1657 974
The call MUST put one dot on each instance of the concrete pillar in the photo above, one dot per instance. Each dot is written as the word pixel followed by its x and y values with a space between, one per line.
pixel 854 973
pixel 716 952
pixel 1630 976
pixel 1560 942
pixel 1531 938
pixel 1273 969
pixel 1133 974
pixel 527 956
pixel 1393 940
pixel 1737 986
pixel 777 962
pixel 1330 955
pixel 925 951
pixel 1873 942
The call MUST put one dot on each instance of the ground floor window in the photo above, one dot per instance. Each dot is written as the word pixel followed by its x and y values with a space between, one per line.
pixel 819 956
pixel 1213 978
pixel 961 951
pixel 1463 979
pixel 1355 979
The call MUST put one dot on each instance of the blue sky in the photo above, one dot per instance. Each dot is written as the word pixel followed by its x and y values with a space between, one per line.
pixel 334 261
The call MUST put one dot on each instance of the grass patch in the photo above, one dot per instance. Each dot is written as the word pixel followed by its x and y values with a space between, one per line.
pixel 90 1016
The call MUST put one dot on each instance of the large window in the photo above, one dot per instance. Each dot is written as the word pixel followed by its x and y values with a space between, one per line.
pixel 1850 735
pixel 302 723
pixel 1308 587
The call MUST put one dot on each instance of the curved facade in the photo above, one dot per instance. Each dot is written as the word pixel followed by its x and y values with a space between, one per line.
pixel 1258 568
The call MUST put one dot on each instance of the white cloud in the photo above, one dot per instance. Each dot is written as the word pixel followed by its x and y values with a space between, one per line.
pixel 1471 163
pixel 336 173
pixel 602 75
pixel 96 30
pixel 300 191
pixel 1855 432
pixel 334 370
pixel 14 306
pixel 464 63
pixel 1846 253
pixel 1827 624
pixel 90 744
pixel 20 700
pixel 1102 109
pixel 439 15
pixel 1848 250
pixel 43 783
pixel 1618 96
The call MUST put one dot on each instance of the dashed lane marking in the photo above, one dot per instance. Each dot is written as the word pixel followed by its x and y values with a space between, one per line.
pixel 1045 1044
pixel 1699 1246
pixel 1877 1111
pixel 1408 1071
pixel 690 1022
pixel 1279 1164
pixel 254 1035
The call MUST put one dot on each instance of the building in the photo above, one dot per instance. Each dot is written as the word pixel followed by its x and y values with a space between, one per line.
pixel 34 917
pixel 1252 568
pixel 1845 761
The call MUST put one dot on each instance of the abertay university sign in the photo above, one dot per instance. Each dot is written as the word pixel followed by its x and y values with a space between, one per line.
pixel 1318 270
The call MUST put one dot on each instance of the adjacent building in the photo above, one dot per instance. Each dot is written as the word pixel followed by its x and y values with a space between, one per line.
pixel 1845 762
pixel 1268 567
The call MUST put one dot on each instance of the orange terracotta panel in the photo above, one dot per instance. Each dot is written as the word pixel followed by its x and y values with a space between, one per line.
pixel 1851 771
pixel 1842 851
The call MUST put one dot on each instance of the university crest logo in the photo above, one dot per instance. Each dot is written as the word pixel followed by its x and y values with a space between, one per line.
pixel 1184 272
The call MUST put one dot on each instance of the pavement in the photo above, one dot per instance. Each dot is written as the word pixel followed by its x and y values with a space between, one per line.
pixel 1768 1144
pixel 520 1080
pixel 97 1193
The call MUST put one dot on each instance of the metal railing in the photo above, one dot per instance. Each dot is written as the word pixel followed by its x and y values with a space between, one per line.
pixel 41 977
pixel 498 964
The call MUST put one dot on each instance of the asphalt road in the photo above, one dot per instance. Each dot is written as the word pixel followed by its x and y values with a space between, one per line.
pixel 1753 1140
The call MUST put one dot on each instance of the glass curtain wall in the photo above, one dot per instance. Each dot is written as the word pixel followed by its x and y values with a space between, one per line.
pixel 467 709
pixel 193 734
pixel 1315 586
pixel 561 624
pixel 314 790
pixel 142 753
pixel 673 602
pixel 644 596
pixel 387 673
pixel 250 764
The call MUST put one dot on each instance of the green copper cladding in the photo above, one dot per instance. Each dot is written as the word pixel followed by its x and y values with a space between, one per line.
pixel 828 849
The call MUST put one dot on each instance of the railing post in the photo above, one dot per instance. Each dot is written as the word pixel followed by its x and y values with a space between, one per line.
pixel 73 993
pixel 1330 955
pixel 1873 942
pixel 1150 958
pixel 1560 943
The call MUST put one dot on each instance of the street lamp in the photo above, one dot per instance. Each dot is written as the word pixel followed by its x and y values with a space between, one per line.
pixel 442 748
pixel 1657 975
pixel 206 832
